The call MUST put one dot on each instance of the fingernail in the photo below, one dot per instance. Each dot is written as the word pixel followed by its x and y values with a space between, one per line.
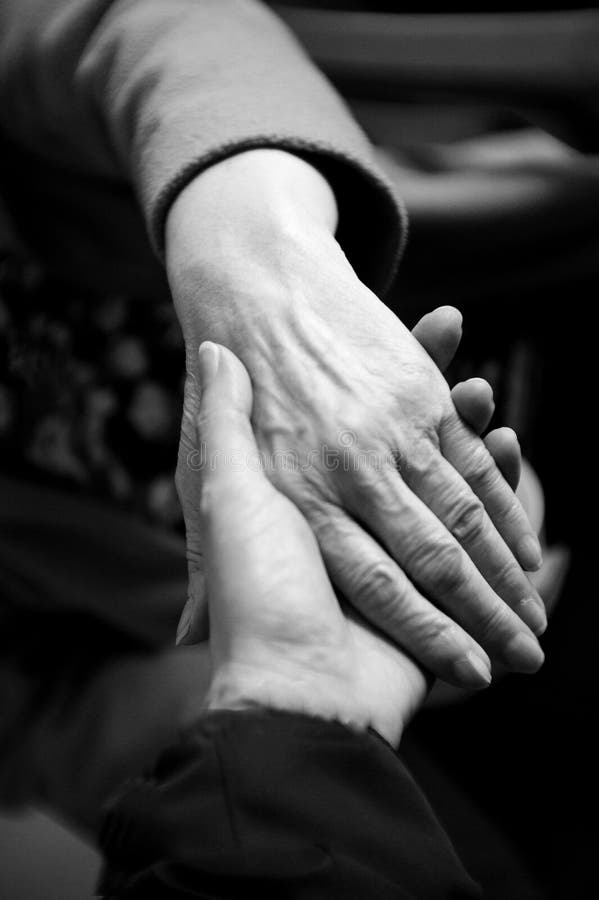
pixel 523 654
pixel 184 626
pixel 532 611
pixel 208 359
pixel 529 553
pixel 472 671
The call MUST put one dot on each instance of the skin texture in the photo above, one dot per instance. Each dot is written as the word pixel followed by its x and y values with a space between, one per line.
pixel 416 524
pixel 439 332
pixel 278 636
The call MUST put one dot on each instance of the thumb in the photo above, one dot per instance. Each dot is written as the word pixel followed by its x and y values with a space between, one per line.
pixel 217 446
pixel 440 332
pixel 227 447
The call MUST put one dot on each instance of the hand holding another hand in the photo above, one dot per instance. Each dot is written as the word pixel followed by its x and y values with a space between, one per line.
pixel 417 527
pixel 278 635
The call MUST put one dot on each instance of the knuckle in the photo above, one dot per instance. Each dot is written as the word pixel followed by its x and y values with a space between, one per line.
pixel 438 633
pixel 509 577
pixel 379 594
pixel 466 519
pixel 371 469
pixel 512 513
pixel 377 582
pixel 442 564
pixel 423 456
pixel 481 472
pixel 494 624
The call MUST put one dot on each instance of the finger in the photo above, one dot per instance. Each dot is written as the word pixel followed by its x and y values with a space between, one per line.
pixel 445 492
pixel 440 332
pixel 440 567
pixel 473 400
pixel 382 593
pixel 468 455
pixel 234 486
pixel 503 445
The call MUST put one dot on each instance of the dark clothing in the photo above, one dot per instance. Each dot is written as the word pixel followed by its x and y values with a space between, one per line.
pixel 270 805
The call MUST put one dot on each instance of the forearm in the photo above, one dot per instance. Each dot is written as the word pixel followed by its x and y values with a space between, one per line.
pixel 158 91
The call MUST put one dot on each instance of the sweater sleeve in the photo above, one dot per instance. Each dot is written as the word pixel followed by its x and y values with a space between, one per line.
pixel 275 805
pixel 155 91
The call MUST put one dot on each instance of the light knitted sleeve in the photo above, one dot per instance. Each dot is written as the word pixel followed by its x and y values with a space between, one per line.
pixel 154 91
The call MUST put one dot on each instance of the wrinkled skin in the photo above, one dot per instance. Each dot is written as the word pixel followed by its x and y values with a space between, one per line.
pixel 414 520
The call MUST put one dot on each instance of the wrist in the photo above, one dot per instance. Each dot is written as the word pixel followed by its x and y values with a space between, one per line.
pixel 236 687
pixel 256 204
pixel 239 237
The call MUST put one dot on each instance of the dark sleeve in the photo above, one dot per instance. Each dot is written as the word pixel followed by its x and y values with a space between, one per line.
pixel 274 805
pixel 155 91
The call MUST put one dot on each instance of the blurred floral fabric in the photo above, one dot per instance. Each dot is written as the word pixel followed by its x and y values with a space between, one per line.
pixel 90 391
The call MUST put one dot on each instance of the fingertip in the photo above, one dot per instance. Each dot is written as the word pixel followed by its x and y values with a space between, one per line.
pixel 472 672
pixel 530 553
pixel 451 314
pixel 481 387
pixel 510 435
pixel 474 401
pixel 208 363
pixel 224 381
pixel 476 390
pixel 504 447
pixel 507 437
pixel 523 654
pixel 440 332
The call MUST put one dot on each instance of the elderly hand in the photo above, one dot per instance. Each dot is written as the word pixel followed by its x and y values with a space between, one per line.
pixel 439 332
pixel 411 514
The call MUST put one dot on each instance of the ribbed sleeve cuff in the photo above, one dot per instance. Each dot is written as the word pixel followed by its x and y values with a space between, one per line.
pixel 185 85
